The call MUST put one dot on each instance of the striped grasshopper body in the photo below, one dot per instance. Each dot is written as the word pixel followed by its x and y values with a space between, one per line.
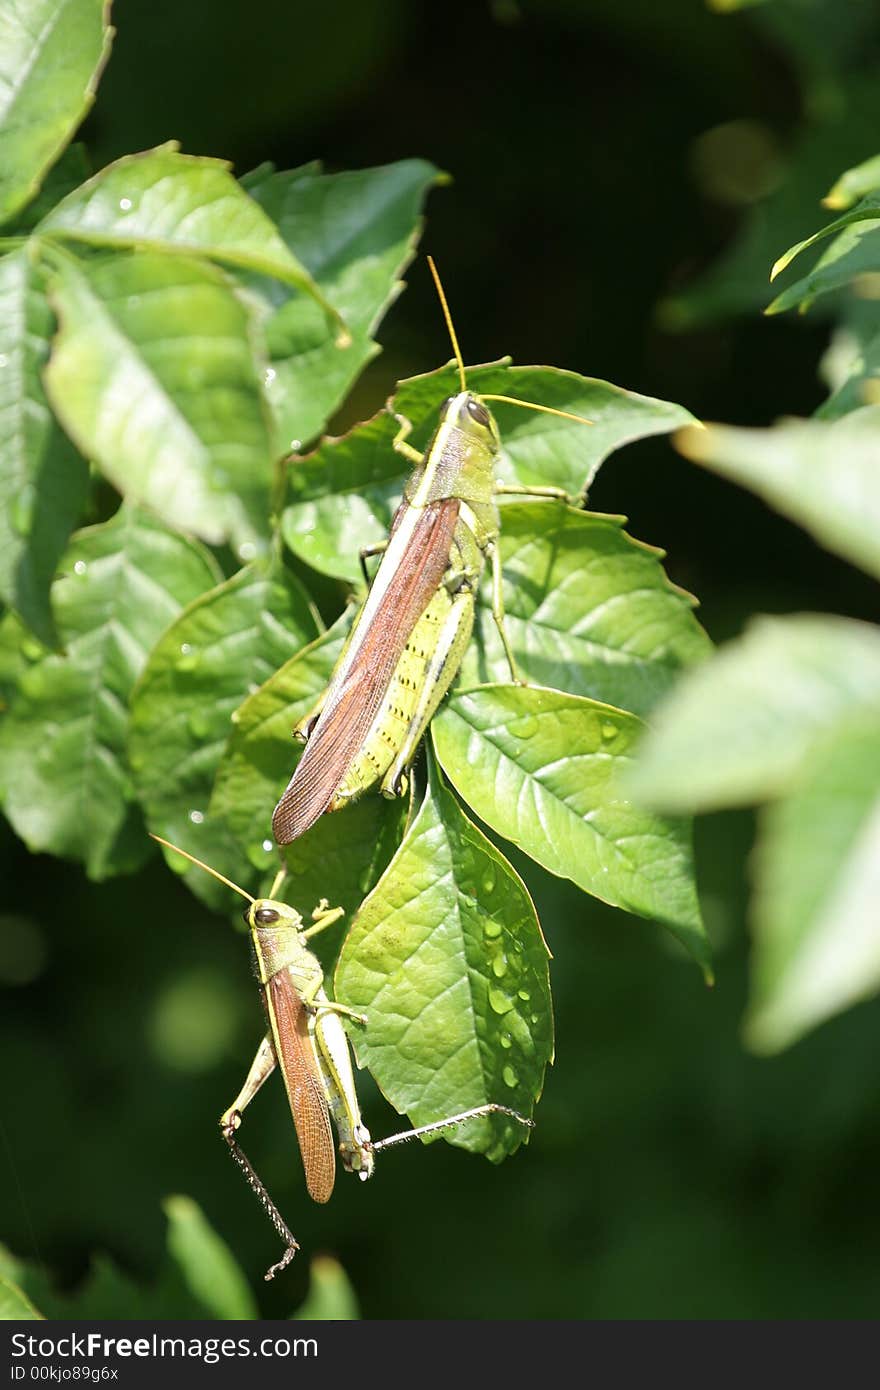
pixel 410 636
pixel 307 1042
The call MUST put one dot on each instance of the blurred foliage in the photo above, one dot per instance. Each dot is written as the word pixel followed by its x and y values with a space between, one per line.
pixel 671 1174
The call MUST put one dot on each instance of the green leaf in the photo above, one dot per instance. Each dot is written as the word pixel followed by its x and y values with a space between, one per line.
pixel 356 231
pixel 855 251
pixel 66 785
pixel 153 374
pixel 817 880
pixel 868 209
pixel 43 481
pixel 331 1297
pixel 51 56
pixel 342 495
pixel 854 184
pixel 62 178
pixel 221 647
pixel 162 200
pixel 261 754
pixel 542 768
pixel 821 474
pixel 588 610
pixel 206 1262
pixel 856 372
pixel 342 856
pixel 745 726
pixel 15 1305
pixel 447 960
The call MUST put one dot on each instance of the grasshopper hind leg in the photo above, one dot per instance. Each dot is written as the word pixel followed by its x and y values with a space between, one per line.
pixel 263 1065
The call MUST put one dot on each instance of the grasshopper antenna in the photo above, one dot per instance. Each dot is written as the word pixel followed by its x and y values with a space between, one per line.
pixel 544 409
pixel 221 878
pixel 448 317
pixel 437 1125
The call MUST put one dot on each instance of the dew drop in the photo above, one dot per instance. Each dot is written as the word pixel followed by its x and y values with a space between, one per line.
pixel 526 727
pixel 510 1077
pixel 492 929
pixel 197 817
pixel 268 846
pixel 506 1040
pixel 125 204
pixel 269 376
pixel 524 994
pixel 499 1002
pixel 188 657
pixel 608 729
pixel 80 567
pixel 487 883
pixel 247 550
pixel 295 445
pixel 533 1018
pixel 499 965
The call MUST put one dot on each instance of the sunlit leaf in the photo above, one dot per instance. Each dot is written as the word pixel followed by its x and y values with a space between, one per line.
pixel 331 1297
pixel 224 645
pixel 15 1305
pixel 822 474
pixel 356 232
pixel 166 201
pixel 588 610
pixel 447 960
pixel 744 726
pixel 542 769
pixel 817 882
pixel 153 374
pixel 51 56
pixel 65 781
pixel 206 1262
pixel 43 480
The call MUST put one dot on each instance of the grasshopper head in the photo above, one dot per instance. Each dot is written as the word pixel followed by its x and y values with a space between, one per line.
pixel 470 415
pixel 265 913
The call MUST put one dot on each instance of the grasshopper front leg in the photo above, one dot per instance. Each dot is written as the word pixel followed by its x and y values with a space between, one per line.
pixel 261 1068
pixel 499 615
pixel 399 443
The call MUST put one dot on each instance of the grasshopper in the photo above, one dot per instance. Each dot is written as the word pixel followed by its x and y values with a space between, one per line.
pixel 307 1042
pixel 409 638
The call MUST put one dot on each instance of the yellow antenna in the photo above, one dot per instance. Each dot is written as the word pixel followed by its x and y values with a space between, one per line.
pixel 545 409
pixel 448 317
pixel 202 865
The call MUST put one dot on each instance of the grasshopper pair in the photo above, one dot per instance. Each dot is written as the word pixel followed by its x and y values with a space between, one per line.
pixel 409 638
pixel 306 1041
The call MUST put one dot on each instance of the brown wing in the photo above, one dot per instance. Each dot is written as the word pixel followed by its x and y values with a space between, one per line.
pixel 302 1078
pixel 343 725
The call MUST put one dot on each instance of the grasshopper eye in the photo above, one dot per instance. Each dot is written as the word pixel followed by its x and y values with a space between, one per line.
pixel 265 916
pixel 478 412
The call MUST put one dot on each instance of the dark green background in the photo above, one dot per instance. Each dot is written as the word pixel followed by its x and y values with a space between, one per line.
pixel 671 1175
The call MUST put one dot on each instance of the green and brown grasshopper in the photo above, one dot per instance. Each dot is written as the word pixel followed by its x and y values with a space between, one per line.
pixel 306 1041
pixel 409 638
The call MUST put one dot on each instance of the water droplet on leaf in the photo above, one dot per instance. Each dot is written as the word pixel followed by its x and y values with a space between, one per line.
pixel 197 817
pixel 499 1002
pixel 510 1076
